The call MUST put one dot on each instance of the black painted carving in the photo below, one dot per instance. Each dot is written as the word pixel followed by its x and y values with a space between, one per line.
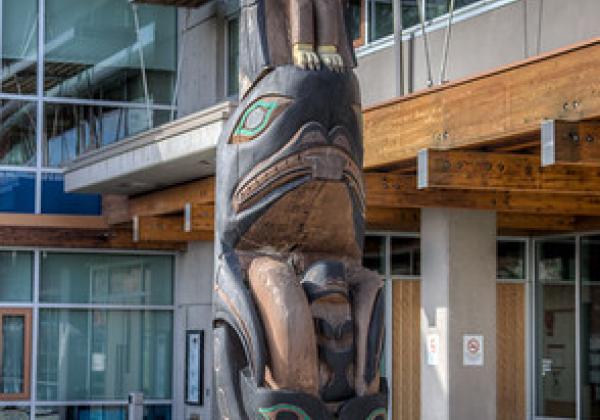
pixel 289 226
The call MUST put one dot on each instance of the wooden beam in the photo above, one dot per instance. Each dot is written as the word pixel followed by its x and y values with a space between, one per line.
pixel 202 217
pixel 173 199
pixel 535 222
pixel 507 103
pixel 400 191
pixel 399 220
pixel 53 221
pixel 115 208
pixel 570 143
pixel 165 228
pixel 453 169
pixel 80 238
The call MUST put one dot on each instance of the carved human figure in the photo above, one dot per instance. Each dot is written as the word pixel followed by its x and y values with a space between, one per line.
pixel 298 320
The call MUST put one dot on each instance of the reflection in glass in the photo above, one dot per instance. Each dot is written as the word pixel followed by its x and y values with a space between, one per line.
pixel 14 413
pixel 18 46
pixel 107 279
pixel 410 13
pixel 17 133
pixel 17 192
pixel 233 51
pixel 381 19
pixel 13 363
pixel 81 412
pixel 356 16
pixel 374 253
pixel 16 274
pixel 590 327
pixel 93 50
pixel 511 260
pixel 151 412
pixel 437 8
pixel 72 130
pixel 104 355
pixel 556 260
pixel 56 201
pixel 555 329
pixel 405 256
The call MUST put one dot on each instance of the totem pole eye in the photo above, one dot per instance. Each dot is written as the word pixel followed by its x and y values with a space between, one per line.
pixel 257 117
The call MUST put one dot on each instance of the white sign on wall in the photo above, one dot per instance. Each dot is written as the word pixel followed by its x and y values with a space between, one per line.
pixel 472 350
pixel 433 349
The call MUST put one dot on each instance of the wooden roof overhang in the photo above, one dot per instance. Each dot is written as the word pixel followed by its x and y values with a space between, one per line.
pixel 474 144
pixel 523 140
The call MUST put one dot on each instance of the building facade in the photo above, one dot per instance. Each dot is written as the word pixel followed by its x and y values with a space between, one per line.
pixel 109 116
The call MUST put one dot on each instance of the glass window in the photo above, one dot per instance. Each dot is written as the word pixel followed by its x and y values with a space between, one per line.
pixel 80 412
pixel 556 260
pixel 381 19
pixel 16 274
pixel 405 258
pixel 410 13
pixel 233 56
pixel 18 46
pixel 357 13
pixel 437 8
pixel 17 133
pixel 151 412
pixel 107 279
pixel 14 413
pixel 15 327
pixel 93 50
pixel 56 201
pixel 72 130
pixel 374 253
pixel 511 260
pixel 17 192
pixel 555 328
pixel 104 355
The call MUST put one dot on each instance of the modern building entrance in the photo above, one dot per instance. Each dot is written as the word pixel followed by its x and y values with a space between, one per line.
pixel 566 320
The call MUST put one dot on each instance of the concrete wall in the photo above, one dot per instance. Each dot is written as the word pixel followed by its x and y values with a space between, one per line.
pixel 201 38
pixel 193 311
pixel 498 37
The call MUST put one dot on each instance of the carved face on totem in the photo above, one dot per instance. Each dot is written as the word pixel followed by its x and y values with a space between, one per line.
pixel 289 166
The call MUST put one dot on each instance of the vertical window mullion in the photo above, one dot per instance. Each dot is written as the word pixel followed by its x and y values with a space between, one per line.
pixel 578 295
pixel 40 106
pixel 35 331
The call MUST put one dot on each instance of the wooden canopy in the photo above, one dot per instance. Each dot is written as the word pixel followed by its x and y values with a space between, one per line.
pixel 523 140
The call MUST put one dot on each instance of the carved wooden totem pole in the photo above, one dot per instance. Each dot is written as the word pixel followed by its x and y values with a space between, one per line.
pixel 298 323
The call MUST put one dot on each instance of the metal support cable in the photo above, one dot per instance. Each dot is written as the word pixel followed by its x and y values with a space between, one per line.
pixel 398 47
pixel 420 6
pixel 140 49
pixel 447 44
pixel 540 25
pixel 525 30
pixel 180 64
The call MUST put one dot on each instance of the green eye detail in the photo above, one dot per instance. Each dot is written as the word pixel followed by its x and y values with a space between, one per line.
pixel 256 118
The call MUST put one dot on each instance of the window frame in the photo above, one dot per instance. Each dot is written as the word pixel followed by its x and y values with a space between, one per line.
pixel 26 313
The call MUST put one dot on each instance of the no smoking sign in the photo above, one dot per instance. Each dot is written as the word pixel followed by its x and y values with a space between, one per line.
pixel 472 350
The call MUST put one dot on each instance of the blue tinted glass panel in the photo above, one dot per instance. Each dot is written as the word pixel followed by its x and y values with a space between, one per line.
pixel 157 412
pixel 56 201
pixel 17 192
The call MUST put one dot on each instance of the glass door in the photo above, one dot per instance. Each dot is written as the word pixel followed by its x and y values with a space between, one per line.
pixel 555 329
pixel 590 327
pixel 15 354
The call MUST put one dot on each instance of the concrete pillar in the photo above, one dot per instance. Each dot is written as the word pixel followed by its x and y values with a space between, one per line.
pixel 458 298
pixel 193 311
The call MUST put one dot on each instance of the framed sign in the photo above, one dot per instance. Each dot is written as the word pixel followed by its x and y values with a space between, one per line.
pixel 194 367
pixel 472 350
